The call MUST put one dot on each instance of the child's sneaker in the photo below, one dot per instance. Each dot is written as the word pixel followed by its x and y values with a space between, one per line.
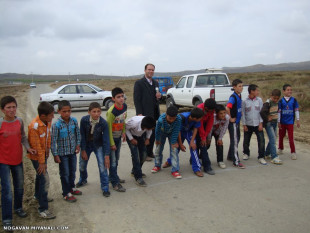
pixel 280 152
pixel 245 157
pixel 75 191
pixel 176 175
pixel 222 165
pixel 276 160
pixel 46 214
pixel 119 188
pixel 155 169
pixel 239 165
pixel 262 161
pixel 141 182
pixel 293 156
pixel 106 193
pixel 70 198
pixel 268 157
pixel 166 164
pixel 81 183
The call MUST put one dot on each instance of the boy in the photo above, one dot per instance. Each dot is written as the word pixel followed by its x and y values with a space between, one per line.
pixel 116 116
pixel 288 111
pixel 95 138
pixel 234 109
pixel 139 131
pixel 168 126
pixel 253 123
pixel 65 145
pixel 220 125
pixel 269 113
pixel 206 124
pixel 39 137
pixel 12 137
pixel 190 125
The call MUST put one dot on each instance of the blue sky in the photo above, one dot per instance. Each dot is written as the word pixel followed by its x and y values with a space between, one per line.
pixel 120 37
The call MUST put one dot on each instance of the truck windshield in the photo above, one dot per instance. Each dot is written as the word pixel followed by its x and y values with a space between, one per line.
pixel 211 79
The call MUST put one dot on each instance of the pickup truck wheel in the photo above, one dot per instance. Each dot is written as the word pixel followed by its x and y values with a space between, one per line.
pixel 197 102
pixel 169 102
pixel 55 105
pixel 108 104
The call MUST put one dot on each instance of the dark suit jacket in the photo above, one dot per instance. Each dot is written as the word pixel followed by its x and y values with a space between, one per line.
pixel 144 98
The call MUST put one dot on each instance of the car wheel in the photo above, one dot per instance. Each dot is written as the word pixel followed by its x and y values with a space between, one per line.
pixel 55 105
pixel 108 104
pixel 197 102
pixel 169 102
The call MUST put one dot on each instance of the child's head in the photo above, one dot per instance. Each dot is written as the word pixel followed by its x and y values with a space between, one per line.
pixel 209 105
pixel 46 112
pixel 8 106
pixel 196 114
pixel 64 109
pixel 118 96
pixel 171 114
pixel 237 86
pixel 275 95
pixel 220 112
pixel 148 123
pixel 94 110
pixel 287 90
pixel 253 90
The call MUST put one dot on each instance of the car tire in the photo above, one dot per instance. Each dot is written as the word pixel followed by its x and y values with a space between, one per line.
pixel 108 104
pixel 170 102
pixel 55 105
pixel 197 102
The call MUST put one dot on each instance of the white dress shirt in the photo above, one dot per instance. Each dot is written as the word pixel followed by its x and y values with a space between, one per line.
pixel 133 128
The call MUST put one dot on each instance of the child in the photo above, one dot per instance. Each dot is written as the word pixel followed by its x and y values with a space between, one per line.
pixel 220 125
pixel 39 137
pixel 234 109
pixel 168 126
pixel 190 125
pixel 95 138
pixel 65 144
pixel 116 116
pixel 253 123
pixel 12 137
pixel 269 113
pixel 288 111
pixel 139 131
pixel 206 124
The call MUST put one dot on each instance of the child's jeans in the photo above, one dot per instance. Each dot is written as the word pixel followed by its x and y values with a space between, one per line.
pixel 260 141
pixel 271 129
pixel 67 169
pixel 234 135
pixel 174 153
pixel 103 171
pixel 138 155
pixel 290 132
pixel 114 157
pixel 41 187
pixel 206 163
pixel 6 191
pixel 219 149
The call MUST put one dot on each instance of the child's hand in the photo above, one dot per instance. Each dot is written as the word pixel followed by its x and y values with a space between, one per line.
pixel 298 123
pixel 107 161
pixel 220 142
pixel 245 128
pixel 193 145
pixel 157 142
pixel 47 154
pixel 175 145
pixel 84 155
pixel 57 159
pixel 232 120
pixel 279 125
pixel 269 118
pixel 113 147
pixel 182 148
pixel 203 143
pixel 208 142
pixel 147 142
pixel 77 149
pixel 134 142
pixel 32 151
pixel 260 127
pixel 41 169
pixel 124 137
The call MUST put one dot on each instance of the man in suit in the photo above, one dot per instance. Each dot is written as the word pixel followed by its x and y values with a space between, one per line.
pixel 146 95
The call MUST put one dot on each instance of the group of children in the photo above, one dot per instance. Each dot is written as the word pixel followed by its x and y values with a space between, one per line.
pixel 65 139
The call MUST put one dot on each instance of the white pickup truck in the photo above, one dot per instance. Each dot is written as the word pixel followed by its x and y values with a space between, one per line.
pixel 194 89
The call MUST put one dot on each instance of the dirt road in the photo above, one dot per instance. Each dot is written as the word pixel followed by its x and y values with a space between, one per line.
pixel 260 198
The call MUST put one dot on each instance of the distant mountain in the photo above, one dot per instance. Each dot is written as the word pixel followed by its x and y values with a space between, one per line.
pixel 84 77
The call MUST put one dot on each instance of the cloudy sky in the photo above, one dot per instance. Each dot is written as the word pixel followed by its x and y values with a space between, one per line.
pixel 118 37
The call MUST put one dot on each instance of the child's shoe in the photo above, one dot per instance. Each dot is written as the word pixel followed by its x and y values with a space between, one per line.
pixel 81 183
pixel 21 213
pixel 276 160
pixel 176 175
pixel 293 156
pixel 239 165
pixel 166 164
pixel 268 157
pixel 209 171
pixel 280 152
pixel 199 173
pixel 141 182
pixel 75 191
pixel 46 214
pixel 245 157
pixel 119 188
pixel 155 169
pixel 106 193
pixel 262 161
pixel 222 165
pixel 70 198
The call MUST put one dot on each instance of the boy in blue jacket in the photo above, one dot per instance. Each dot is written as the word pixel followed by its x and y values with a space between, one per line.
pixel 168 126
pixel 95 138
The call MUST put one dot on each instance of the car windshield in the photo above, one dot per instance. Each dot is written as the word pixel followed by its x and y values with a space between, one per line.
pixel 95 87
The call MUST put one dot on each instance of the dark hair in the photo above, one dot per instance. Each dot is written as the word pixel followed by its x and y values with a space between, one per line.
pixel 172 111
pixel 63 103
pixel 116 91
pixel 252 87
pixel 6 100
pixel 210 104
pixel 219 108
pixel 196 113
pixel 286 86
pixel 94 105
pixel 276 92
pixel 148 122
pixel 236 82
pixel 148 64
pixel 45 108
